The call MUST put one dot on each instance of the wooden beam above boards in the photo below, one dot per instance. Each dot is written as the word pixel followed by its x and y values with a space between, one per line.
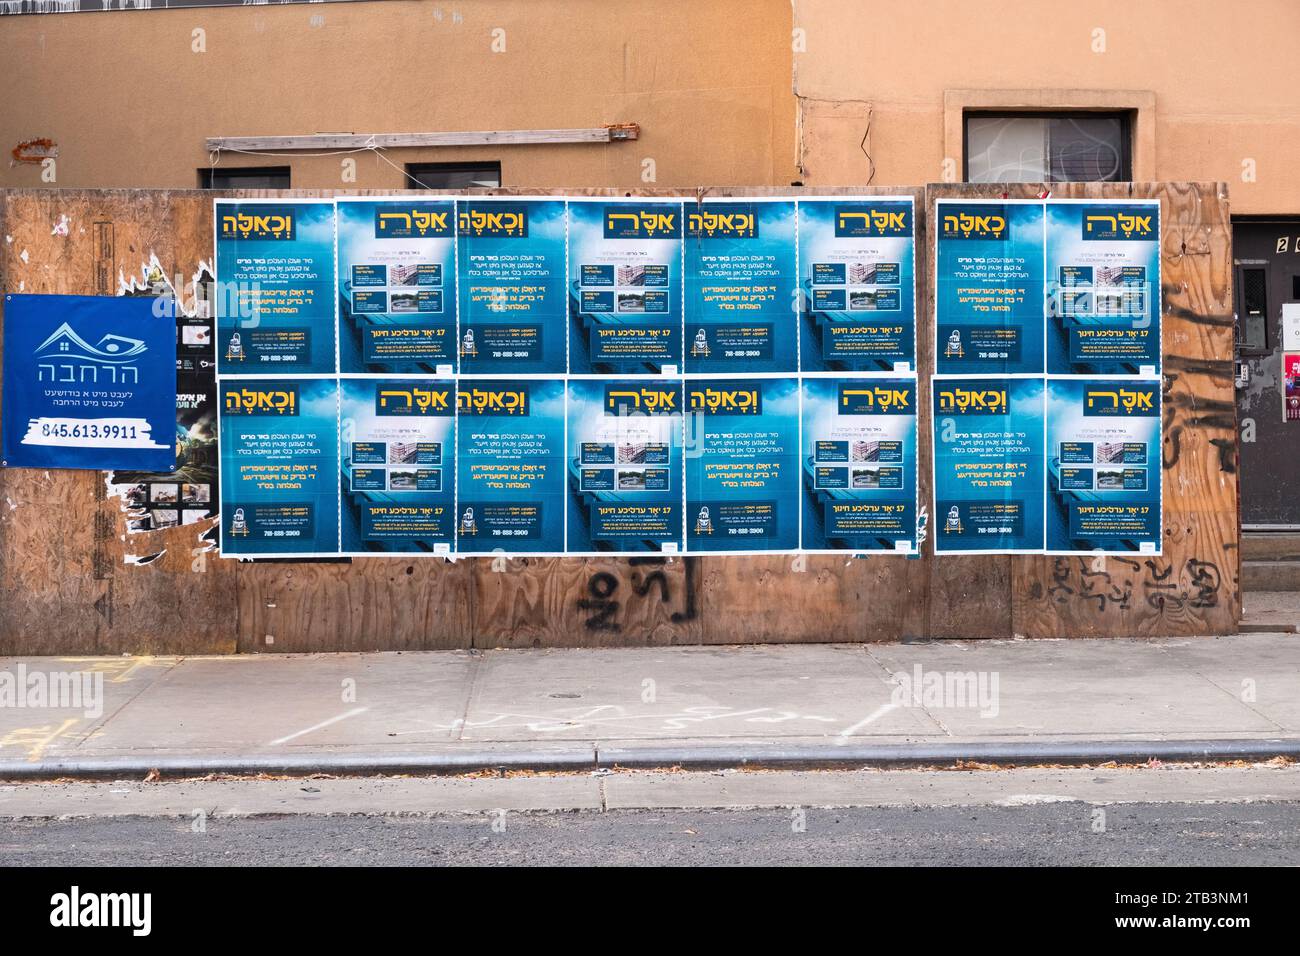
pixel 499 137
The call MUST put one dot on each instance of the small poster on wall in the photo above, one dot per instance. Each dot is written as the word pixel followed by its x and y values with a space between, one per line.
pixel 89 382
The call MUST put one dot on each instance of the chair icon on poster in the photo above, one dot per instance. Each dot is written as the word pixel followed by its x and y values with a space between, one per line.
pixel 954 347
pixel 467 346
pixel 700 347
pixel 703 523
pixel 234 348
pixel 467 524
pixel 953 523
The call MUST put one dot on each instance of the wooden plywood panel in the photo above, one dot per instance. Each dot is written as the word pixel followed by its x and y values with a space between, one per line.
pixel 74 581
pixel 1192 588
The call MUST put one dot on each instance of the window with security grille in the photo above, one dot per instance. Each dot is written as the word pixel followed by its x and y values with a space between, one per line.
pixel 1067 147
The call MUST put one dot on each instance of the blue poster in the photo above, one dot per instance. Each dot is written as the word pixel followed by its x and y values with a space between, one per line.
pixel 858 284
pixel 742 465
pixel 625 286
pixel 510 466
pixel 397 477
pixel 397 285
pixel 279 467
pixel 741 276
pixel 510 276
pixel 859 464
pixel 275 286
pixel 988 465
pixel 1103 287
pixel 625 465
pixel 989 287
pixel 89 382
pixel 1103 465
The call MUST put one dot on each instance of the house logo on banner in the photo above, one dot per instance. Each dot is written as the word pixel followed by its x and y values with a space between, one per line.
pixel 66 357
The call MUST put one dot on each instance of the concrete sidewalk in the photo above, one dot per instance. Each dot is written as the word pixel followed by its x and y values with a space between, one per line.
pixel 811 705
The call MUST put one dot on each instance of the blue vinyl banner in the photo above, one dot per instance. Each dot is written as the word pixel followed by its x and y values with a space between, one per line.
pixel 510 276
pixel 741 277
pixel 858 284
pixel 742 464
pixel 89 382
pixel 989 287
pixel 625 286
pixel 397 285
pixel 1103 288
pixel 510 466
pixel 988 465
pixel 275 286
pixel 859 464
pixel 397 477
pixel 279 466
pixel 625 465
pixel 1103 465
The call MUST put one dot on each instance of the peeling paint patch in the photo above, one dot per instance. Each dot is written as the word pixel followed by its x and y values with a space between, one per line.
pixel 62 227
pixel 24 256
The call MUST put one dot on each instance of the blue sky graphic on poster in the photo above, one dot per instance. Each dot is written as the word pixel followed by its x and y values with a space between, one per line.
pixel 275 287
pixel 397 285
pixel 859 464
pixel 741 276
pixel 397 475
pixel 89 382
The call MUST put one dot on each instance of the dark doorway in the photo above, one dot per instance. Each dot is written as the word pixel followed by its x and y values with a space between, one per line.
pixel 1266 263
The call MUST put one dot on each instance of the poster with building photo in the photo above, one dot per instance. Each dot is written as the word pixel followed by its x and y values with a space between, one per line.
pixel 510 283
pixel 741 277
pixel 397 285
pixel 1103 466
pixel 510 466
pixel 275 286
pixel 988 465
pixel 742 465
pixel 858 284
pixel 1103 287
pixel 624 465
pixel 279 467
pixel 625 286
pixel 397 468
pixel 858 468
pixel 989 286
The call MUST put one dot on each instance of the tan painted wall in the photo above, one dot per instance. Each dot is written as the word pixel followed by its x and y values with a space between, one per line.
pixel 1222 74
pixel 130 104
